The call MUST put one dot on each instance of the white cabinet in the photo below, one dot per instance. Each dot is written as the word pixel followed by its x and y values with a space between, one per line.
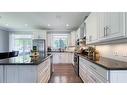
pixel 1 74
pixel 20 74
pixel 111 25
pixel 78 34
pixel 27 74
pixel 118 76
pixel 91 73
pixel 92 28
pixel 105 26
pixel 11 73
pixel 101 25
pixel 71 58
pixel 40 34
pixel 126 24
pixel 62 58
pixel 73 38
pixel 44 71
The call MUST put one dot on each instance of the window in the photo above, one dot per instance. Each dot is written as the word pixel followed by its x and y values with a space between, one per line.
pixel 60 41
pixel 23 44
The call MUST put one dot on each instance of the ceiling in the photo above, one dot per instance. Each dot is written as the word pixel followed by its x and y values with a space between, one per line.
pixel 51 21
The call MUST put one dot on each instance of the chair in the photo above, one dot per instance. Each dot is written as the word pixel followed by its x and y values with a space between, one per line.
pixel 4 55
pixel 13 54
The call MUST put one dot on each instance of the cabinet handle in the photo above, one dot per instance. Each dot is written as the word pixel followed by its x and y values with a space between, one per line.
pixel 90 38
pixel 104 31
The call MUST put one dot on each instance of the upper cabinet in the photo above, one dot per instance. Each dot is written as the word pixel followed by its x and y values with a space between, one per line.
pixel 39 34
pixel 91 28
pixel 111 25
pixel 72 38
pixel 105 26
pixel 80 33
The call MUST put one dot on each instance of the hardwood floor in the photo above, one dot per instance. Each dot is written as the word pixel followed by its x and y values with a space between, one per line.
pixel 64 73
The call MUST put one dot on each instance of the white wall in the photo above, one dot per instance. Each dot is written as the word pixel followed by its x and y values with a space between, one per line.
pixel 4 41
pixel 114 51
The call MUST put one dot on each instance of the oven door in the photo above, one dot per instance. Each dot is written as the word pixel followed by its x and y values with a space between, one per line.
pixel 76 64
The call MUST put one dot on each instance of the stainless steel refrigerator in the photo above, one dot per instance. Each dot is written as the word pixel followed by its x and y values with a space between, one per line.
pixel 40 44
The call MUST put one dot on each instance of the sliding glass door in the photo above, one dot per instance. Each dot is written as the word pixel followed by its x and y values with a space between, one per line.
pixel 23 45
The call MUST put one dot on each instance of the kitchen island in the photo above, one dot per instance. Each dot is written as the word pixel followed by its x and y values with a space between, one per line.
pixel 24 69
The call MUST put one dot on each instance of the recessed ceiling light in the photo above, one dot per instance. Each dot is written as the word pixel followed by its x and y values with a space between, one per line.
pixel 67 25
pixel 26 24
pixel 49 25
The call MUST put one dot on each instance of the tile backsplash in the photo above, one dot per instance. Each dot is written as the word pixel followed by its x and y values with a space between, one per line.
pixel 113 51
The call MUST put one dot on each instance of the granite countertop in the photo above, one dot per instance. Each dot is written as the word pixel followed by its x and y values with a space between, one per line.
pixel 61 52
pixel 24 60
pixel 107 63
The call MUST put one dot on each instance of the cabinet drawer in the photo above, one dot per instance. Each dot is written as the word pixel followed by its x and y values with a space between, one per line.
pixel 97 78
pixel 97 69
pixel 83 74
pixel 90 75
pixel 94 68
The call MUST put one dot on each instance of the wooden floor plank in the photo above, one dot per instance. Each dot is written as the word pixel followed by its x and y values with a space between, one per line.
pixel 64 73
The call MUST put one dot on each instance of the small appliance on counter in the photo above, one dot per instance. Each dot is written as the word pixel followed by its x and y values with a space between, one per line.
pixel 93 54
pixel 34 53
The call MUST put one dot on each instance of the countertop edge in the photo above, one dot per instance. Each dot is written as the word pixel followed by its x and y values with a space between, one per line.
pixel 107 68
pixel 29 63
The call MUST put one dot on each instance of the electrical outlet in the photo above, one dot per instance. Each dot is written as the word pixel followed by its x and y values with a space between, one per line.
pixel 124 54
pixel 115 53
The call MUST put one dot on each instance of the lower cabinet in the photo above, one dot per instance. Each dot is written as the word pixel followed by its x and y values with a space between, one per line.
pixel 44 72
pixel 118 76
pixel 62 57
pixel 26 73
pixel 1 74
pixel 20 74
pixel 92 73
pixel 11 74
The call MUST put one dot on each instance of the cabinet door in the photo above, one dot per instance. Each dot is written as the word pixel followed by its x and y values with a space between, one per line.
pixel 61 58
pixel 73 38
pixel 118 76
pixel 71 58
pixel 114 25
pixel 39 34
pixel 101 24
pixel 44 71
pixel 11 74
pixel 27 74
pixel 56 58
pixel 92 28
pixel 1 74
pixel 111 25
pixel 78 34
